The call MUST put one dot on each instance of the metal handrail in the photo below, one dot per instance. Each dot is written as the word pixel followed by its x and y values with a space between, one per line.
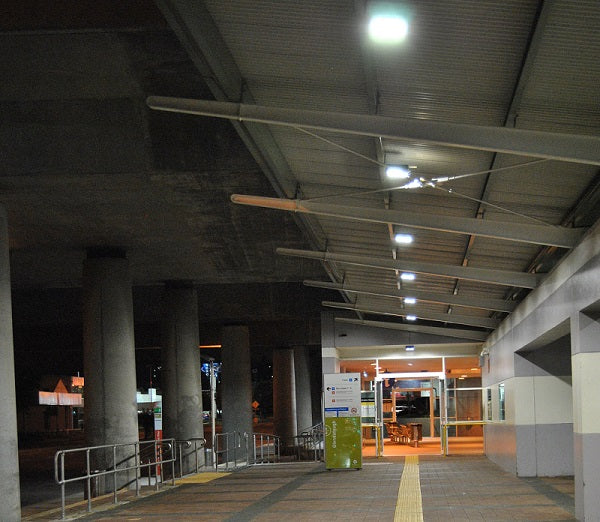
pixel 268 442
pixel 226 444
pixel 162 453
pixel 198 443
pixel 311 440
pixel 235 450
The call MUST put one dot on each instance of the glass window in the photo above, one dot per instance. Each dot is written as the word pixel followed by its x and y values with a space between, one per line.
pixel 501 411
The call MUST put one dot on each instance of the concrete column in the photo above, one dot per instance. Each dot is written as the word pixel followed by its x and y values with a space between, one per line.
pixel 302 375
pixel 10 507
pixel 540 395
pixel 329 352
pixel 182 386
pixel 109 357
pixel 585 362
pixel 236 380
pixel 284 396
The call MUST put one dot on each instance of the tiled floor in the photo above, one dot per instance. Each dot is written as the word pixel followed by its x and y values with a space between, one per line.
pixel 460 487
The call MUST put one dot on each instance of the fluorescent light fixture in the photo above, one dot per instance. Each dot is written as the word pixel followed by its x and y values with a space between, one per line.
pixel 411 317
pixel 397 172
pixel 407 276
pixel 413 183
pixel 389 28
pixel 403 239
pixel 410 300
pixel 410 348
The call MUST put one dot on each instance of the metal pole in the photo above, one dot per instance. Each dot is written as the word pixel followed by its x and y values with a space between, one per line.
pixel 114 474
pixel 89 489
pixel 62 484
pixel 213 406
pixel 137 469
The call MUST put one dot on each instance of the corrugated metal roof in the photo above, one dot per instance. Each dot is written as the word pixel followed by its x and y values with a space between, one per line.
pixel 468 62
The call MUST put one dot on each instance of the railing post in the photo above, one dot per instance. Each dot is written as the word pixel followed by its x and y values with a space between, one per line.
pixel 137 469
pixel 62 484
pixel 89 489
pixel 114 448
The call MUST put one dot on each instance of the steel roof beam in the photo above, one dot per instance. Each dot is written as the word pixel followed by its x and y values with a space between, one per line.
pixel 480 322
pixel 520 232
pixel 433 330
pixel 499 305
pixel 485 275
pixel 538 144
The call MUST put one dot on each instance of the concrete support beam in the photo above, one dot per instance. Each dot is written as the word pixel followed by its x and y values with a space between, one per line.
pixel 284 396
pixel 329 353
pixel 585 362
pixel 304 415
pixel 109 356
pixel 10 507
pixel 236 380
pixel 182 387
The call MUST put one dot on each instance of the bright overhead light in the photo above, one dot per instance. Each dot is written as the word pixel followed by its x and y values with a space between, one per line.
pixel 407 276
pixel 413 183
pixel 411 317
pixel 410 300
pixel 410 348
pixel 403 239
pixel 389 28
pixel 397 172
pixel 409 364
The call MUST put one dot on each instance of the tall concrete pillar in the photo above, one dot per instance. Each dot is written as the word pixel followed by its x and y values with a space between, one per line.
pixel 585 362
pixel 182 386
pixel 284 396
pixel 540 399
pixel 329 352
pixel 10 506
pixel 109 357
pixel 302 376
pixel 236 380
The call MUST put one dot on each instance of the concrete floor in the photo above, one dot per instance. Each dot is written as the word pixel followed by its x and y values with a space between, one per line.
pixel 405 487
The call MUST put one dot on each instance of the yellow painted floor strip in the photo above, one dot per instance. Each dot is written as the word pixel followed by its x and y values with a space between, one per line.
pixel 409 507
pixel 201 478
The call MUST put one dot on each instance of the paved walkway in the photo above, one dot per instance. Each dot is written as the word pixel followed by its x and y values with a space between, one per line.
pixel 428 488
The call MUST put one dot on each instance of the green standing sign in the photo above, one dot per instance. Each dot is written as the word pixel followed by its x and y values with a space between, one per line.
pixel 343 434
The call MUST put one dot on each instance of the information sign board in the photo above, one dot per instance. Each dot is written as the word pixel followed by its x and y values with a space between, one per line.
pixel 343 434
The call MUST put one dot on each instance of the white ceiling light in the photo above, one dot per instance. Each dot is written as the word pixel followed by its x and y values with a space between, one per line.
pixel 407 276
pixel 410 300
pixel 397 172
pixel 403 239
pixel 389 28
pixel 411 317
pixel 413 183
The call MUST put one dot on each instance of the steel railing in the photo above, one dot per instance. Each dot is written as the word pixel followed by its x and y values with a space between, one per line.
pixel 137 460
pixel 140 455
pixel 310 443
pixel 186 448
pixel 235 450
pixel 266 448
